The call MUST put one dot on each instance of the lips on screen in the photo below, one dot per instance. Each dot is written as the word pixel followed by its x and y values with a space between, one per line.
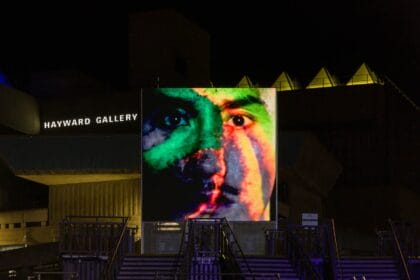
pixel 208 153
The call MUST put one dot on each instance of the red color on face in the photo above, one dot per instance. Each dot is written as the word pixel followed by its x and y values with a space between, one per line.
pixel 218 180
pixel 247 161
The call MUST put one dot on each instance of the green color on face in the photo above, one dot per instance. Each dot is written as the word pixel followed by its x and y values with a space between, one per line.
pixel 203 131
pixel 234 93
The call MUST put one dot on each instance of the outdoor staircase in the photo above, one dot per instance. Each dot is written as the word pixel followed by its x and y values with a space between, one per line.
pixel 266 268
pixel 148 267
pixel 372 268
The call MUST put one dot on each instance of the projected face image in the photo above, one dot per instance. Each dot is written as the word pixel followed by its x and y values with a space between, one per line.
pixel 208 152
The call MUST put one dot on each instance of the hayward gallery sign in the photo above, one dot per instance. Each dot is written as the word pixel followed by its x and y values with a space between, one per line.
pixel 87 121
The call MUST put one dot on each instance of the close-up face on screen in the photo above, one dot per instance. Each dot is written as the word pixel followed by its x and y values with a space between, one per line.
pixel 208 153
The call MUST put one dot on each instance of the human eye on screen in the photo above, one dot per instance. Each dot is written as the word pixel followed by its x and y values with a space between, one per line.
pixel 173 118
pixel 239 121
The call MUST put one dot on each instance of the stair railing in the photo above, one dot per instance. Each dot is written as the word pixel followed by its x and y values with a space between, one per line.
pixel 87 235
pixel 117 254
pixel 288 237
pixel 225 246
pixel 189 248
pixel 232 249
pixel 401 258
pixel 204 247
pixel 300 259
pixel 49 275
pixel 405 96
pixel 183 260
pixel 334 253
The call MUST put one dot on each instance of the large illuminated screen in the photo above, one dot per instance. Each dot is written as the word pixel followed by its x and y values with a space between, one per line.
pixel 208 153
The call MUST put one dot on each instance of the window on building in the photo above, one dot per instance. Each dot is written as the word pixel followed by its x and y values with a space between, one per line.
pixel 33 224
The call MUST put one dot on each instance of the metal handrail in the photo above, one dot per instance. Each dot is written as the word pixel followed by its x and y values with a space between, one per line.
pixel 38 274
pixel 241 253
pixel 182 250
pixel 224 231
pixel 302 256
pixel 96 218
pixel 111 262
pixel 88 232
pixel 186 249
pixel 296 252
pixel 405 96
pixel 401 255
pixel 337 254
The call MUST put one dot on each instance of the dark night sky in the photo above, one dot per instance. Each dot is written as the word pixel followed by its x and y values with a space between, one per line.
pixel 261 41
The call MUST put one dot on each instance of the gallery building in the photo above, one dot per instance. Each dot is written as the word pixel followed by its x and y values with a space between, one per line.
pixel 347 149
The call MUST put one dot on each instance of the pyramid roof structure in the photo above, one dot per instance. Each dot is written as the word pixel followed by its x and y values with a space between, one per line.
pixel 323 79
pixel 363 76
pixel 245 82
pixel 285 83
